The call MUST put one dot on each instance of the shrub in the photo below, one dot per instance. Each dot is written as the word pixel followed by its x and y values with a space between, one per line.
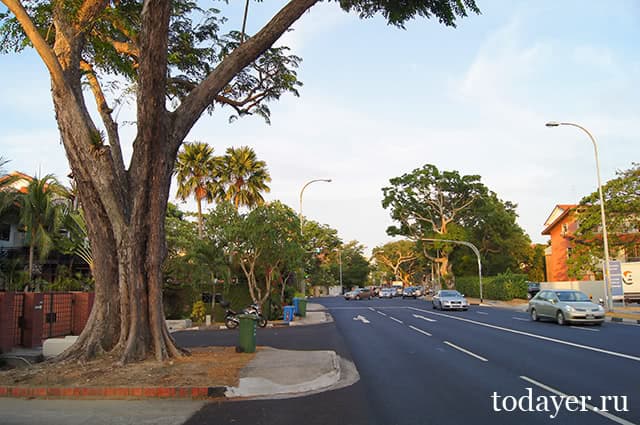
pixel 199 312
pixel 505 286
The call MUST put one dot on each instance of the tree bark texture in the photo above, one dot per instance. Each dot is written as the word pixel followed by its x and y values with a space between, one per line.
pixel 125 208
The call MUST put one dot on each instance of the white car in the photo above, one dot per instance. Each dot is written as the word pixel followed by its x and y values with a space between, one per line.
pixel 387 292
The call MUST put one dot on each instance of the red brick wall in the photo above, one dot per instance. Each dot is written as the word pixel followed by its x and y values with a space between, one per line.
pixel 6 321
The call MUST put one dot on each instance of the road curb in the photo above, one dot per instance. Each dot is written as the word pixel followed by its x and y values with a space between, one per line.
pixel 623 320
pixel 113 393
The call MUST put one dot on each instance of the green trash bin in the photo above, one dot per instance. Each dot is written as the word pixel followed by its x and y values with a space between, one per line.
pixel 302 307
pixel 247 333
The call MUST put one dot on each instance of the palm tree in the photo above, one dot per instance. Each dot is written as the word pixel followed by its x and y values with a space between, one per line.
pixel 40 214
pixel 197 171
pixel 244 177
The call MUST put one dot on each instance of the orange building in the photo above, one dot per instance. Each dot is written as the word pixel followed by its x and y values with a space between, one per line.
pixel 560 226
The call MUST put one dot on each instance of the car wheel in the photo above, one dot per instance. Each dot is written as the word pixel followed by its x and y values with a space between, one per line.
pixel 357 297
pixel 534 315
pixel 560 318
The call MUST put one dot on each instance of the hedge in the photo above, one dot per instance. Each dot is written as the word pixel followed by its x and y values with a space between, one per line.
pixel 505 286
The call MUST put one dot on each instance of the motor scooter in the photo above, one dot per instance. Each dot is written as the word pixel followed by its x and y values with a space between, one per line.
pixel 231 319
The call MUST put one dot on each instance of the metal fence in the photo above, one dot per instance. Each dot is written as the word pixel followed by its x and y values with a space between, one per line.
pixel 58 314
pixel 18 319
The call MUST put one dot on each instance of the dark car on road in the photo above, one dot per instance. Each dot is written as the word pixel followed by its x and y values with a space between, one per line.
pixel 532 289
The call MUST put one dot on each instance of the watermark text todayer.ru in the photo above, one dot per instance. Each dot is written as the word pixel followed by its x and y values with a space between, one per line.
pixel 553 404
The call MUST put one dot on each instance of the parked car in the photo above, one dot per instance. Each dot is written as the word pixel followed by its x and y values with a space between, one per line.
pixel 411 292
pixel 565 306
pixel 358 294
pixel 532 289
pixel 387 292
pixel 447 299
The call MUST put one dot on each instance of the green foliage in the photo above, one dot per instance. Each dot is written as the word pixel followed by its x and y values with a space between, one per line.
pixel 66 281
pixel 196 46
pixel 244 177
pixel 505 286
pixel 398 12
pixel 397 260
pixel 199 312
pixel 622 208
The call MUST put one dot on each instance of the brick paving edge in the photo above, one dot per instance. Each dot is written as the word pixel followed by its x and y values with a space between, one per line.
pixel 112 393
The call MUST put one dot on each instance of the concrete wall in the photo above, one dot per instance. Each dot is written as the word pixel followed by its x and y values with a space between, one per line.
pixel 593 288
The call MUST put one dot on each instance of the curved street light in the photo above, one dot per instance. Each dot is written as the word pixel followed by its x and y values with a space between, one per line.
pixel 302 191
pixel 473 248
pixel 605 240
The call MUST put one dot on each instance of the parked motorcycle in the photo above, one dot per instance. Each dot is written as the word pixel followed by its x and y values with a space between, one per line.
pixel 231 319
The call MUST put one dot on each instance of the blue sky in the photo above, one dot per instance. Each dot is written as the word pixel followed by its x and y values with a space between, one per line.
pixel 378 102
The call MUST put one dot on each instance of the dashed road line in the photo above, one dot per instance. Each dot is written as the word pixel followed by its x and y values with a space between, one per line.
pixel 545 338
pixel 466 351
pixel 481 312
pixel 588 406
pixel 384 314
pixel 520 318
pixel 585 329
pixel 397 320
pixel 420 330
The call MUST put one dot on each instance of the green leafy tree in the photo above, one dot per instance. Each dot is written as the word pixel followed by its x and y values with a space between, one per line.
pixel 490 224
pixel 268 244
pixel 197 172
pixel 41 216
pixel 355 266
pixel 244 177
pixel 172 50
pixel 430 204
pixel 622 207
pixel 397 260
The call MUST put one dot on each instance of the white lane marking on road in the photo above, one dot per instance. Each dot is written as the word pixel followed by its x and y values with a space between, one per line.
pixel 418 316
pixel 384 314
pixel 361 318
pixel 420 330
pixel 546 338
pixel 481 312
pixel 584 329
pixel 466 351
pixel 371 308
pixel 520 318
pixel 397 320
pixel 588 406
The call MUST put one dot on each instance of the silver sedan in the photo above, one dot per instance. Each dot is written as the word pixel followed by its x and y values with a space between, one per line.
pixel 565 306
pixel 447 299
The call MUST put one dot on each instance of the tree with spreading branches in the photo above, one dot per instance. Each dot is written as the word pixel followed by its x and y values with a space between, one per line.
pixel 179 65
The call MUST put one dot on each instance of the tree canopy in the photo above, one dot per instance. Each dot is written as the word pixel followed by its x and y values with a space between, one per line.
pixel 169 50
pixel 622 209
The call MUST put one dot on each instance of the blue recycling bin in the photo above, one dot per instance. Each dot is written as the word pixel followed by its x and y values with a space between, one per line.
pixel 289 312
pixel 296 306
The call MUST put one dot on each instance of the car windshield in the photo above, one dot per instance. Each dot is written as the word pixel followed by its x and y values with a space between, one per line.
pixel 449 293
pixel 572 296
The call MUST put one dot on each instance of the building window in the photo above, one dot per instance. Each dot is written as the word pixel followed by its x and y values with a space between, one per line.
pixel 5 232
pixel 565 229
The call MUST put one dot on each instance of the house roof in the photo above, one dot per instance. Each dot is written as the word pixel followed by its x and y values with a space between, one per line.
pixel 559 212
pixel 21 180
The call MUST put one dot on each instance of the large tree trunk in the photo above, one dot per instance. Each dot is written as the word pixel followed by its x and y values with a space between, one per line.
pixel 125 209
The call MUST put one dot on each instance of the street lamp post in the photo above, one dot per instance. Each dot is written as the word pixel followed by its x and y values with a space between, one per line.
pixel 302 191
pixel 340 268
pixel 300 214
pixel 473 248
pixel 605 239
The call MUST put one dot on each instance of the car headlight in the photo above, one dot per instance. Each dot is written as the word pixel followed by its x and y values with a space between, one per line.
pixel 569 308
pixel 600 308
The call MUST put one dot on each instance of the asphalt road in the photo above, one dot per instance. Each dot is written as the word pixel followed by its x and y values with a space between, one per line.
pixel 417 366
pixel 424 366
